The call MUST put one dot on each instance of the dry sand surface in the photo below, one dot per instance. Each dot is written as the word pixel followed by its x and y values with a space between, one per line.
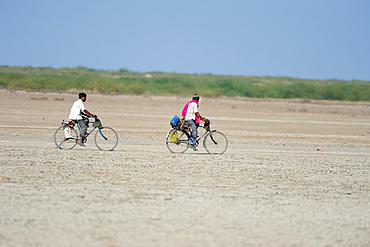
pixel 272 187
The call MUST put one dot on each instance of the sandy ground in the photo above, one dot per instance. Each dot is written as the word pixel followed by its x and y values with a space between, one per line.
pixel 271 187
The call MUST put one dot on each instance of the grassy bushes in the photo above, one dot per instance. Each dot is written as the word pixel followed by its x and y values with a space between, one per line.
pixel 159 83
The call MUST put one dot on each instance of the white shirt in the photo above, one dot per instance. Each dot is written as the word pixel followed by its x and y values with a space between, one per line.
pixel 76 109
pixel 192 109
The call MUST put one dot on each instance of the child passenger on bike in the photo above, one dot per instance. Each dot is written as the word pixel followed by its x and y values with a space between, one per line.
pixel 192 116
pixel 76 112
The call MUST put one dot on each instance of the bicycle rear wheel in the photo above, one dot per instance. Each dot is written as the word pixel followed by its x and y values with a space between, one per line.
pixel 106 139
pixel 65 137
pixel 215 142
pixel 177 141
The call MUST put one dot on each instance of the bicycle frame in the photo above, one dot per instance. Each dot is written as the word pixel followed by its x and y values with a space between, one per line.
pixel 200 137
pixel 91 131
pixel 208 130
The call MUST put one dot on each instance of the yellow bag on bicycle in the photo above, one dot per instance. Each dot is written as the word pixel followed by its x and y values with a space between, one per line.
pixel 174 136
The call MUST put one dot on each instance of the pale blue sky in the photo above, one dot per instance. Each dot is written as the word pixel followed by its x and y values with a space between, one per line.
pixel 317 39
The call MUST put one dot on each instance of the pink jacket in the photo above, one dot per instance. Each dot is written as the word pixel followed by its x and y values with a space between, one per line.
pixel 183 113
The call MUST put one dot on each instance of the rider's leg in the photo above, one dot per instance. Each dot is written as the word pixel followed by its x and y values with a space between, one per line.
pixel 83 129
pixel 194 133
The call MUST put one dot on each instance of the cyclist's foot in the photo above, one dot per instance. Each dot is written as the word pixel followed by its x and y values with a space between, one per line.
pixel 193 147
pixel 81 144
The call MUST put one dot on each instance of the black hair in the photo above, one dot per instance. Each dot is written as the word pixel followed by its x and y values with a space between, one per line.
pixel 196 96
pixel 80 95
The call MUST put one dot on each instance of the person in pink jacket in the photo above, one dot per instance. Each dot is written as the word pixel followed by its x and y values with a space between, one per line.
pixel 191 114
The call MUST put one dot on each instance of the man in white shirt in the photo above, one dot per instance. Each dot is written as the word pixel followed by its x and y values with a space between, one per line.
pixel 75 115
pixel 192 116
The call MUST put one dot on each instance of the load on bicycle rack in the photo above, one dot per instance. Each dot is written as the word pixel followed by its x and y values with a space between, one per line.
pixel 177 139
pixel 66 137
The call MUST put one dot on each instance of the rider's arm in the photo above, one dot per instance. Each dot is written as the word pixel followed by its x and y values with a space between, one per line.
pixel 200 117
pixel 89 113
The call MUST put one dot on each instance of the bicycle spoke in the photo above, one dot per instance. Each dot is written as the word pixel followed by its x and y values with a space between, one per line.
pixel 65 139
pixel 106 138
pixel 215 142
pixel 177 141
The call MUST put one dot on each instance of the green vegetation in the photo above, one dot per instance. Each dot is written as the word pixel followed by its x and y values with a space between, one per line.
pixel 124 81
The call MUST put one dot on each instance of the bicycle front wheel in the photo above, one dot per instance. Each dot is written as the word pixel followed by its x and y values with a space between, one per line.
pixel 65 137
pixel 177 141
pixel 106 139
pixel 215 142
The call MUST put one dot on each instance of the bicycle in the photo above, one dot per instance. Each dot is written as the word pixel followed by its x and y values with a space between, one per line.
pixel 66 137
pixel 177 139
